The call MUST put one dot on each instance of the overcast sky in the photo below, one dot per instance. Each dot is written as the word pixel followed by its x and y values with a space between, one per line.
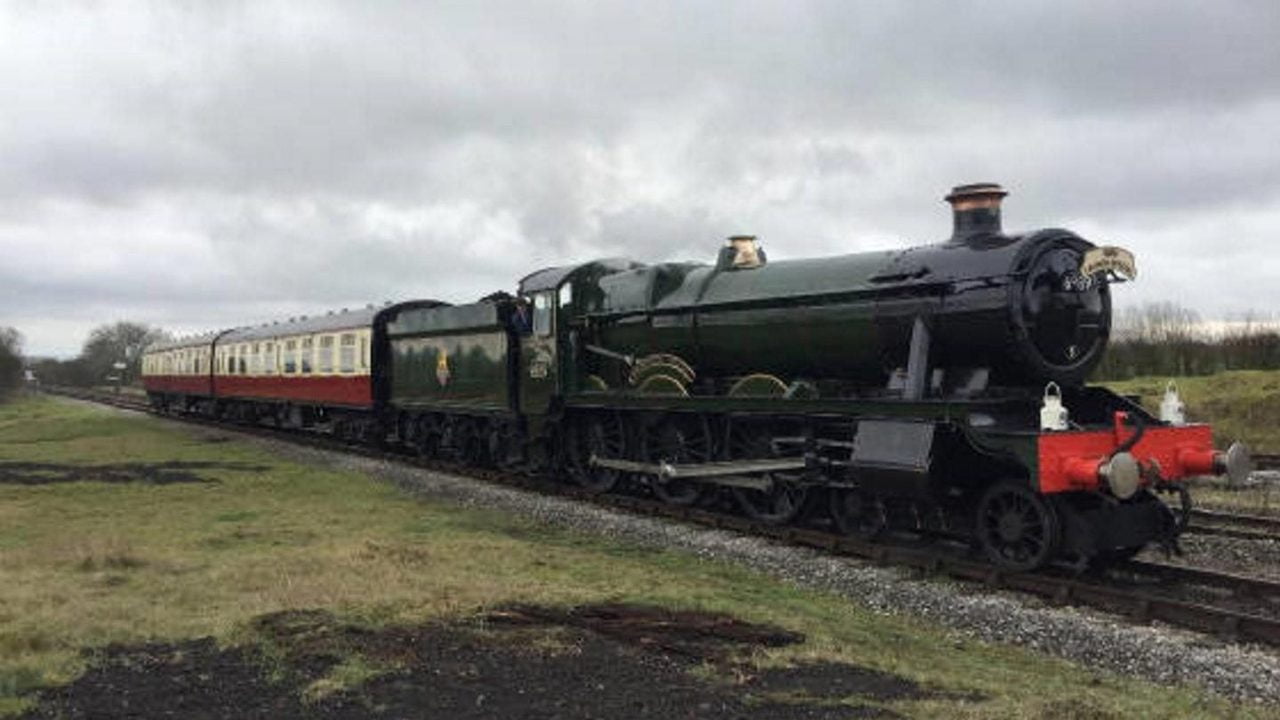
pixel 199 165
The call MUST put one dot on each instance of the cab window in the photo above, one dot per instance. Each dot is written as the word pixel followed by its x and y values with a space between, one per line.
pixel 542 314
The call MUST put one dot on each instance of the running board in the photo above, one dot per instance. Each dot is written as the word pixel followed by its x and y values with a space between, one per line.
pixel 730 472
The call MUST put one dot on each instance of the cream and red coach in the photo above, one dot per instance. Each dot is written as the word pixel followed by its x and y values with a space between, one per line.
pixel 295 373
pixel 300 372
pixel 177 374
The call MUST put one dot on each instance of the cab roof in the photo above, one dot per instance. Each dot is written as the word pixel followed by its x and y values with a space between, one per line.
pixel 553 277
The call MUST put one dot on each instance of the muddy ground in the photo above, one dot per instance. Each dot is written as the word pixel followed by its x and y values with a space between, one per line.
pixel 162 473
pixel 605 661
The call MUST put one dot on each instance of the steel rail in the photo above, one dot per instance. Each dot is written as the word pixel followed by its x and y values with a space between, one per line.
pixel 1235 525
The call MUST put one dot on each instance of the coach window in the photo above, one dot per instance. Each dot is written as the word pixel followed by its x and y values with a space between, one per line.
pixel 324 363
pixel 304 362
pixel 269 358
pixel 364 352
pixel 347 353
pixel 290 357
pixel 243 369
pixel 542 314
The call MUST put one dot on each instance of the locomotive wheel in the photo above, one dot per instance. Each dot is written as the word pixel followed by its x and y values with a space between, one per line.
pixel 677 440
pixel 784 500
pixel 858 513
pixel 470 442
pixel 598 435
pixel 1017 527
pixel 427 437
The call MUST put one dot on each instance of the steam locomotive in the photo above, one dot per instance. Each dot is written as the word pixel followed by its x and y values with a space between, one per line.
pixel 937 389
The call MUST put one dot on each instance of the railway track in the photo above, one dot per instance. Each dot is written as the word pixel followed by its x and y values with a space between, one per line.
pixel 1244 527
pixel 1236 607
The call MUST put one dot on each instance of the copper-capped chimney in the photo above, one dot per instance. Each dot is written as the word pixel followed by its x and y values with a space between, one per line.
pixel 976 210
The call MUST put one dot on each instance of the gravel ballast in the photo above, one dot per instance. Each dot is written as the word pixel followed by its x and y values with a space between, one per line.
pixel 1154 652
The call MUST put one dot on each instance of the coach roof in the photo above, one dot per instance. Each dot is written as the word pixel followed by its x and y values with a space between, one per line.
pixel 189 341
pixel 329 322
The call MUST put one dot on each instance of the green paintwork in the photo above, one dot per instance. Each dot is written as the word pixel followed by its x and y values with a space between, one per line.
pixel 540 370
pixel 448 318
pixel 794 318
pixel 849 317
pixel 451 357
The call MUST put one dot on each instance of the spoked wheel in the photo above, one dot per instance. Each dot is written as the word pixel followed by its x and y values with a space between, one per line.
pixel 784 500
pixel 677 440
pixel 427 436
pixel 1017 527
pixel 858 513
pixel 597 435
pixel 470 443
pixel 503 446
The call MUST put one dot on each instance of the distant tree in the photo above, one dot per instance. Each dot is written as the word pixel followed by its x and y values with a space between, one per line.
pixel 10 360
pixel 51 371
pixel 1167 339
pixel 118 342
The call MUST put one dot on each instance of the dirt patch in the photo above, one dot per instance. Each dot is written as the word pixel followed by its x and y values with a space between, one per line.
pixel 165 473
pixel 608 661
pixel 699 636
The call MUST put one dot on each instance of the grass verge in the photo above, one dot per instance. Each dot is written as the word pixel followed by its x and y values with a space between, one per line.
pixel 1240 404
pixel 86 562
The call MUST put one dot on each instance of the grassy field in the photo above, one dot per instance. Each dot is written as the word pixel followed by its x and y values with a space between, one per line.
pixel 104 539
pixel 1241 404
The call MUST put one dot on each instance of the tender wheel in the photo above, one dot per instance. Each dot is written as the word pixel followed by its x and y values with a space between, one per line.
pixel 427 436
pixel 502 449
pixel 470 443
pixel 784 500
pixel 858 513
pixel 1017 528
pixel 677 440
pixel 598 435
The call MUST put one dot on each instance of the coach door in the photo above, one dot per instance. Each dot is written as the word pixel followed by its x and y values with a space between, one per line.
pixel 538 366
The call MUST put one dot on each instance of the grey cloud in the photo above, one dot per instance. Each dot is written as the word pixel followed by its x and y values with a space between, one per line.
pixel 195 163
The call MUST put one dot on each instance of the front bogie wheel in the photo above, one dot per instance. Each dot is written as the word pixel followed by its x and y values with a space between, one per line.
pixel 1017 527
pixel 858 513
